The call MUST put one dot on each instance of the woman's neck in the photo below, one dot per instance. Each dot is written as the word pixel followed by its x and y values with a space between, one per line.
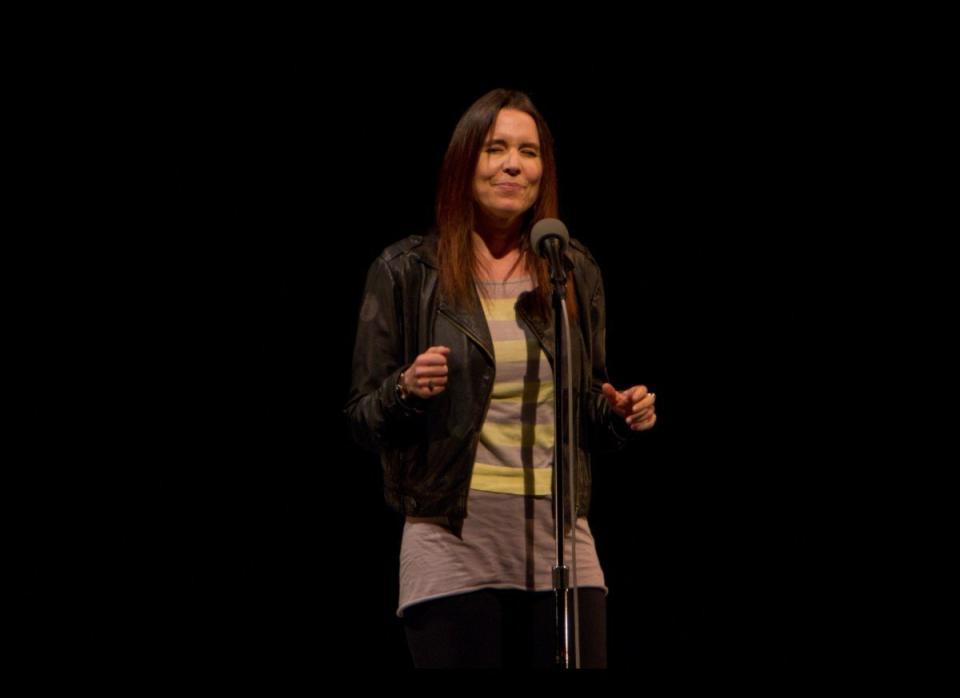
pixel 499 236
pixel 498 256
pixel 496 246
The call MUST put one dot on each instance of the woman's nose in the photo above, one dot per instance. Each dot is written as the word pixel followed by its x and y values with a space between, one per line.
pixel 511 164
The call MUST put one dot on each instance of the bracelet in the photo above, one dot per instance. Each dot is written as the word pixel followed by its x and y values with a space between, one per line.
pixel 401 388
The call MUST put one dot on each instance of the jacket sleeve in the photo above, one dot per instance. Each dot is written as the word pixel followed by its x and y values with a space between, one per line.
pixel 378 417
pixel 608 431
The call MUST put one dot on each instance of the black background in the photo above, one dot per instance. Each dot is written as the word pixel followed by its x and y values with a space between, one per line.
pixel 244 525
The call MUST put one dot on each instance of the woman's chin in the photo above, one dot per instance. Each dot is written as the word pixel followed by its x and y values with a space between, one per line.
pixel 507 213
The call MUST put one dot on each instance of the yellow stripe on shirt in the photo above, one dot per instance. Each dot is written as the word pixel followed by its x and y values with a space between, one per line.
pixel 516 350
pixel 528 391
pixel 507 480
pixel 510 434
pixel 500 308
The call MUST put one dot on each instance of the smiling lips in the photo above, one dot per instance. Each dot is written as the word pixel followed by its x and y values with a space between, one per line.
pixel 508 186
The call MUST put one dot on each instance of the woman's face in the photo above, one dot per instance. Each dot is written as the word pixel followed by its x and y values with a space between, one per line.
pixel 507 179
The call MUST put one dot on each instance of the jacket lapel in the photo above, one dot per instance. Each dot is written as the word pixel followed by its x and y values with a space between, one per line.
pixel 471 320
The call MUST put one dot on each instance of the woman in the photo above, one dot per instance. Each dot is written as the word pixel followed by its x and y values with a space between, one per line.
pixel 452 384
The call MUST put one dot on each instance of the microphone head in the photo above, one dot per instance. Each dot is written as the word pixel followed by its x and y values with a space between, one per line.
pixel 549 227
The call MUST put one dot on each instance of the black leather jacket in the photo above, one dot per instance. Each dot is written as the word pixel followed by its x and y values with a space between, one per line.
pixel 427 447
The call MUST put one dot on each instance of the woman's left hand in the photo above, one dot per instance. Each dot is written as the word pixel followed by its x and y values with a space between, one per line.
pixel 635 405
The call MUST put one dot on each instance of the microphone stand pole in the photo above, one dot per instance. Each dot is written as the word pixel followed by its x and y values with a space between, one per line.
pixel 561 576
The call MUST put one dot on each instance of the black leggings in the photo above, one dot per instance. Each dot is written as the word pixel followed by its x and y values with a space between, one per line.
pixel 501 628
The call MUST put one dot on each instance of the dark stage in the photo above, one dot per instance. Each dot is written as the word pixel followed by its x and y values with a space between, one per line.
pixel 248 527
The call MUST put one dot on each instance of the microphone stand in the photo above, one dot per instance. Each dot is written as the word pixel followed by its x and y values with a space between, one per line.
pixel 561 573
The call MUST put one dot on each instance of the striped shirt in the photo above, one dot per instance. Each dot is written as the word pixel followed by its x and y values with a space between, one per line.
pixel 507 541
pixel 515 452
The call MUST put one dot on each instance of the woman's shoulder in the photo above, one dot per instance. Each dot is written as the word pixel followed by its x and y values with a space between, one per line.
pixel 578 246
pixel 420 246
pixel 581 257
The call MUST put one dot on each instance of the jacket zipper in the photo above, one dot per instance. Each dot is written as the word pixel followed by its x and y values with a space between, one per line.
pixel 470 334
pixel 574 438
pixel 486 405
pixel 532 328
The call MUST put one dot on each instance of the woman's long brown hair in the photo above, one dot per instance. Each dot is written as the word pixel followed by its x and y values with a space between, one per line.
pixel 456 211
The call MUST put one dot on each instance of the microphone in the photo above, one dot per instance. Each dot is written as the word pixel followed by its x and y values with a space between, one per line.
pixel 549 238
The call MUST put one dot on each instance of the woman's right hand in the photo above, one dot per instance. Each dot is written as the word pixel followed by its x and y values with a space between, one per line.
pixel 427 375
